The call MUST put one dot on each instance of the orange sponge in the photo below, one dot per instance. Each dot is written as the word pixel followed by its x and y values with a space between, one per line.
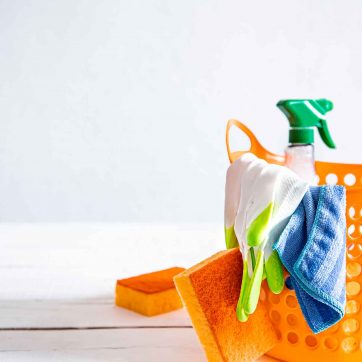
pixel 210 291
pixel 149 294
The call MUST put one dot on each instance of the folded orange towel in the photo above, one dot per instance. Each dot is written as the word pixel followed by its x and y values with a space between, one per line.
pixel 210 291
pixel 149 294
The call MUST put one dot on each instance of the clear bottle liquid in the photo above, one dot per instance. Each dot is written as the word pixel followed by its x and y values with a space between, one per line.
pixel 304 115
pixel 300 159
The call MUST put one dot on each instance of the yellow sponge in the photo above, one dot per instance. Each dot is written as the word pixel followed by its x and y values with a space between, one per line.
pixel 149 294
pixel 210 291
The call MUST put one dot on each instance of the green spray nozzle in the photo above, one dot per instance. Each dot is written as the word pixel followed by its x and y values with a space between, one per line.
pixel 303 115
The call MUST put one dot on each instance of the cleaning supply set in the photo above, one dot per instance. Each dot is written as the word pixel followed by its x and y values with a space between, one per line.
pixel 289 283
pixel 314 248
pixel 292 234
pixel 268 196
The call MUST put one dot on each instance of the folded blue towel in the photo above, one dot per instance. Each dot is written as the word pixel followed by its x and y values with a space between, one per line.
pixel 313 249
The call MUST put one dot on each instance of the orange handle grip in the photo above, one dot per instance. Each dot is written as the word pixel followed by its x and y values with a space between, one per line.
pixel 255 146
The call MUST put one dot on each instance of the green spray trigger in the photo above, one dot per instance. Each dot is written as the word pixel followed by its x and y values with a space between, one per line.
pixel 303 115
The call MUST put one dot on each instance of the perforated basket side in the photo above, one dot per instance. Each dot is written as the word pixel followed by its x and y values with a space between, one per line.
pixel 342 342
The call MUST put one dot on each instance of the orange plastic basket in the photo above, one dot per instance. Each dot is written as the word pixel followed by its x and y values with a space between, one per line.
pixel 343 341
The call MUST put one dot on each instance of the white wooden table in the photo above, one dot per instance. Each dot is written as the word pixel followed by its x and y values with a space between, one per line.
pixel 57 290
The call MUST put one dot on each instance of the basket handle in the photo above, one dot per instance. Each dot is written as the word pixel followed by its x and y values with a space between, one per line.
pixel 255 146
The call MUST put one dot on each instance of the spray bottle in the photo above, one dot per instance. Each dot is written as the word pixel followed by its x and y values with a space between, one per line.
pixel 303 116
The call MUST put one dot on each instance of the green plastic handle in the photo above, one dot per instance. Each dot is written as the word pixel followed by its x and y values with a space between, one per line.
pixel 325 135
pixel 303 115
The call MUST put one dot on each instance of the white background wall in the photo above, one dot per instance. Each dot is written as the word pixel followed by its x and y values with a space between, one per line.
pixel 115 110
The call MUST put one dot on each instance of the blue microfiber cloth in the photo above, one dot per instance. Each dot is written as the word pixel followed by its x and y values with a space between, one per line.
pixel 312 247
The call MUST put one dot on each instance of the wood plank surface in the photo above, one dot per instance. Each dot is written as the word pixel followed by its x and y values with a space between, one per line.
pixel 57 291
pixel 131 345
pixel 82 313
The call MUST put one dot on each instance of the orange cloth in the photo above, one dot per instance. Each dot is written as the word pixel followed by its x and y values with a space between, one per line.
pixel 210 291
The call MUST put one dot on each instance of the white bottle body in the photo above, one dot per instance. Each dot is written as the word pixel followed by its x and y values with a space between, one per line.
pixel 300 159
